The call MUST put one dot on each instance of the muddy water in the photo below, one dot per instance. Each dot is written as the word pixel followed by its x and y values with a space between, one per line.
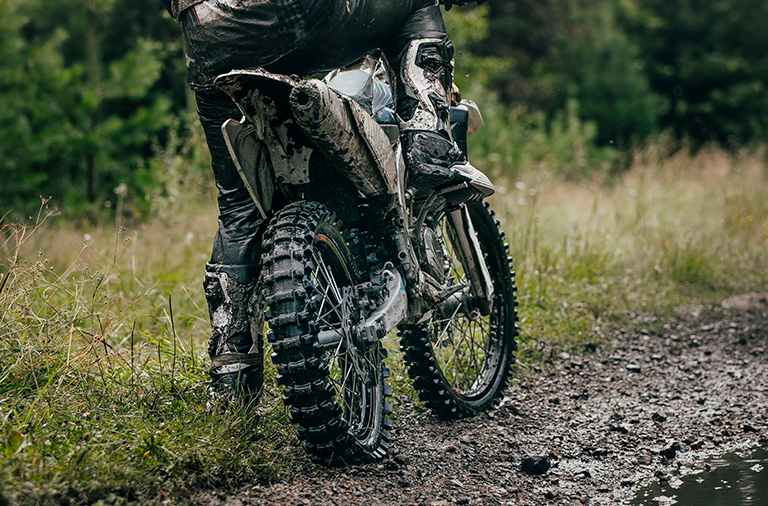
pixel 732 480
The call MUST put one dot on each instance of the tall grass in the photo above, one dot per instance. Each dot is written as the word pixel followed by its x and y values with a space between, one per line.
pixel 103 330
pixel 102 360
pixel 675 231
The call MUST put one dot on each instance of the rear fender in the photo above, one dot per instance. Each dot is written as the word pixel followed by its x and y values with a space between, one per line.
pixel 249 156
pixel 262 97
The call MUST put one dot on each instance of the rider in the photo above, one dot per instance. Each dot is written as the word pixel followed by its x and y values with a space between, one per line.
pixel 303 37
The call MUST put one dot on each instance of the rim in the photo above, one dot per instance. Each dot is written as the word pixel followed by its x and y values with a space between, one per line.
pixel 465 343
pixel 352 365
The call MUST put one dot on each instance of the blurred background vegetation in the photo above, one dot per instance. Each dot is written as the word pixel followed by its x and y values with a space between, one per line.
pixel 626 138
pixel 94 93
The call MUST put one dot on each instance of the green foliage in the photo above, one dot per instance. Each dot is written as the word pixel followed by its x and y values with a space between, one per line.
pixel 637 67
pixel 474 69
pixel 595 65
pixel 76 122
pixel 102 363
pixel 522 32
pixel 94 96
pixel 707 59
pixel 559 53
pixel 517 139
pixel 515 142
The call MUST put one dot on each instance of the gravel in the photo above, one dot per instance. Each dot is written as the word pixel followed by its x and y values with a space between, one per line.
pixel 652 404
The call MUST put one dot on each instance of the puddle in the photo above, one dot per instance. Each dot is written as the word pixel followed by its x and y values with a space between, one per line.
pixel 736 479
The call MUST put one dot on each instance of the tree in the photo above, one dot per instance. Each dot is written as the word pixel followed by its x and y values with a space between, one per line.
pixel 522 32
pixel 708 59
pixel 594 63
pixel 568 52
pixel 77 116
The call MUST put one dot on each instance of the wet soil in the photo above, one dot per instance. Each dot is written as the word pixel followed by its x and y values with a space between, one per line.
pixel 650 405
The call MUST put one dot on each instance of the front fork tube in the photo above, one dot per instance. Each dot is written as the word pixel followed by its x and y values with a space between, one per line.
pixel 406 231
pixel 476 269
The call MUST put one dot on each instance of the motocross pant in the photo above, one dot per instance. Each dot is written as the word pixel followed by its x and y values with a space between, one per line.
pixel 285 36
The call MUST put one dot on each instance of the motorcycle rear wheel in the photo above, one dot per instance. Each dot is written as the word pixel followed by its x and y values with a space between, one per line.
pixel 460 363
pixel 337 393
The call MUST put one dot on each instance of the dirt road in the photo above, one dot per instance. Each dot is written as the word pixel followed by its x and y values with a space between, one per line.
pixel 589 429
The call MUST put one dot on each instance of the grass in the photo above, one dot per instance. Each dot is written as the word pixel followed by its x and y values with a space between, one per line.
pixel 674 231
pixel 103 355
pixel 103 331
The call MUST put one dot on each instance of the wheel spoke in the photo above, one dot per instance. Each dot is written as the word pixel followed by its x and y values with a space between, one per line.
pixel 350 365
pixel 459 360
pixel 462 343
pixel 349 370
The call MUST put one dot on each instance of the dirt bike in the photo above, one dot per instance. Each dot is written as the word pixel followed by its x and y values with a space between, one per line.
pixel 352 252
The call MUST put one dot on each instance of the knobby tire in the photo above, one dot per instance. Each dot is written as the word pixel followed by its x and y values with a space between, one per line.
pixel 337 397
pixel 460 366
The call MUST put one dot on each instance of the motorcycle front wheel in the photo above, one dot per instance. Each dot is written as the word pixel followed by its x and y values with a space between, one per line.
pixel 334 382
pixel 460 360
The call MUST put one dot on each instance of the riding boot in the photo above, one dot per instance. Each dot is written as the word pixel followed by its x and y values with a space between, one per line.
pixel 236 346
pixel 433 159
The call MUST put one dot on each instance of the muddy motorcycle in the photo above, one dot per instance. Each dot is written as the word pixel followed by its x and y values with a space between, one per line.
pixel 352 253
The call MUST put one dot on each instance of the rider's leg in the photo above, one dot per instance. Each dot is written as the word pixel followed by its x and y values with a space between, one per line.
pixel 218 39
pixel 235 348
pixel 413 35
pixel 424 63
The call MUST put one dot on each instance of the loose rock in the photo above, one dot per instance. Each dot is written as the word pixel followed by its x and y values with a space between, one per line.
pixel 535 466
pixel 608 433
